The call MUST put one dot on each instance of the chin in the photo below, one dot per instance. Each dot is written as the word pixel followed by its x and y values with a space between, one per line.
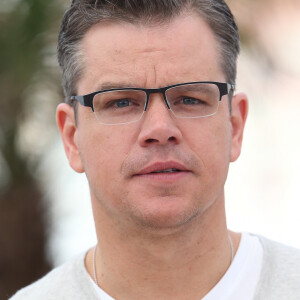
pixel 166 216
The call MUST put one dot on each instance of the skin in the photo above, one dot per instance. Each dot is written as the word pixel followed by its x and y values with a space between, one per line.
pixel 159 236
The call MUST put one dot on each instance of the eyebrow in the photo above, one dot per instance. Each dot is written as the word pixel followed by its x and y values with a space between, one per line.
pixel 114 85
pixel 192 88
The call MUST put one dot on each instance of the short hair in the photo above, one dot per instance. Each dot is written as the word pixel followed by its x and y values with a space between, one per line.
pixel 83 14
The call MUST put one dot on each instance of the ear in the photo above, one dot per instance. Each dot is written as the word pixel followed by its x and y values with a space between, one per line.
pixel 239 112
pixel 68 130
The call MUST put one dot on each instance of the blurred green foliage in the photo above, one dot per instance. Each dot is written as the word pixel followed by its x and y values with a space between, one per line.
pixel 28 30
pixel 25 35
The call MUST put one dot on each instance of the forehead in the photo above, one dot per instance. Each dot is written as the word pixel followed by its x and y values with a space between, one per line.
pixel 183 49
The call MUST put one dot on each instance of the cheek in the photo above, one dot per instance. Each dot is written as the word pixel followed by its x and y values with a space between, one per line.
pixel 100 154
pixel 211 142
pixel 103 151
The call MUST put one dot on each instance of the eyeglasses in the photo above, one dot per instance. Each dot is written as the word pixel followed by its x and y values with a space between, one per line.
pixel 127 105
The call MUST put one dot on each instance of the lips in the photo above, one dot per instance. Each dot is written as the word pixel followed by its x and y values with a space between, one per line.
pixel 163 168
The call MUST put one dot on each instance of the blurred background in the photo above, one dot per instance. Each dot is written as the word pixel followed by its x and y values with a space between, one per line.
pixel 45 214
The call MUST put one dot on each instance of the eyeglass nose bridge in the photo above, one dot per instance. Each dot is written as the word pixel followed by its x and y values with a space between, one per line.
pixel 156 91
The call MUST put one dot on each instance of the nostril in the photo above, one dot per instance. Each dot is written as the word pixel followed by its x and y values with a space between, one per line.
pixel 170 139
pixel 151 141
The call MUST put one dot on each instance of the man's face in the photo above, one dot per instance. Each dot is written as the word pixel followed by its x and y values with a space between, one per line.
pixel 119 160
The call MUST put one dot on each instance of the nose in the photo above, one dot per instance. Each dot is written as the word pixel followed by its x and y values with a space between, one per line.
pixel 158 125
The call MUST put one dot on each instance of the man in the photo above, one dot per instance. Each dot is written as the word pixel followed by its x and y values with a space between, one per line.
pixel 152 119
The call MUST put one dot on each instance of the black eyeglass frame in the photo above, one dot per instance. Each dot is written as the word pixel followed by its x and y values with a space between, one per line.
pixel 87 100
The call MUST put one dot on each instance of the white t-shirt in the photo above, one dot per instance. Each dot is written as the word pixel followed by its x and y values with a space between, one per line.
pixel 241 278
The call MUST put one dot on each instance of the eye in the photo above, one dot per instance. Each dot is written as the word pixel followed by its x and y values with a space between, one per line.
pixel 190 101
pixel 122 103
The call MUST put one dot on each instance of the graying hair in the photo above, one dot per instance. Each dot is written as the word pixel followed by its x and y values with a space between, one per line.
pixel 83 14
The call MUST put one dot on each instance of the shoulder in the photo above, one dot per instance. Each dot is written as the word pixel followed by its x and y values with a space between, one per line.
pixel 277 255
pixel 69 280
pixel 280 274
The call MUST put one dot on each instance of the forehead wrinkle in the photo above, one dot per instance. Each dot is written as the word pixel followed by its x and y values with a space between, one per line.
pixel 155 74
pixel 151 79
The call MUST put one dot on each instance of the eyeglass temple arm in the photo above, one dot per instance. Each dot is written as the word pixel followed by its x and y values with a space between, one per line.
pixel 226 89
pixel 80 99
pixel 231 87
pixel 83 100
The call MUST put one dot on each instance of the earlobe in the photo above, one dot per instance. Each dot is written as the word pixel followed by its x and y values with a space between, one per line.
pixel 238 119
pixel 68 130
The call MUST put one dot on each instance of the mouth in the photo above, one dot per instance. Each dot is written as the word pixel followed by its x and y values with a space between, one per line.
pixel 166 168
pixel 166 171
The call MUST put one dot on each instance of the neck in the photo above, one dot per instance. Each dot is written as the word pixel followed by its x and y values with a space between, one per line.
pixel 185 263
